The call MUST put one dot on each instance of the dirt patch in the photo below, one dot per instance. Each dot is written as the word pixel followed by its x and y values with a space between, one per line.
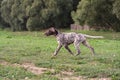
pixel 33 68
pixel 63 75
pixel 29 66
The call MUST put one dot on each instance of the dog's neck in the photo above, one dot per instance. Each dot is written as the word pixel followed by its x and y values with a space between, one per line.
pixel 57 33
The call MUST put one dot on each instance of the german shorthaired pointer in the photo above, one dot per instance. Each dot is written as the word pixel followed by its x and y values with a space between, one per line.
pixel 65 39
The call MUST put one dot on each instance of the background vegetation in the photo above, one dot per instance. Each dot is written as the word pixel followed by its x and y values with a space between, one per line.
pixel 39 14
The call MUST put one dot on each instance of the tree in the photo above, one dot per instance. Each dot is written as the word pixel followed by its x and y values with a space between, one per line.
pixel 47 13
pixel 0 11
pixel 96 13
pixel 75 3
pixel 116 11
pixel 36 14
pixel 81 14
pixel 41 14
pixel 3 24
pixel 116 8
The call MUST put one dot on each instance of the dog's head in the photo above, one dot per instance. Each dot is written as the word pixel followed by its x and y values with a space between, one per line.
pixel 51 31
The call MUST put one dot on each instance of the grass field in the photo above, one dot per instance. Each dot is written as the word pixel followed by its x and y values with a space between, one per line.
pixel 34 47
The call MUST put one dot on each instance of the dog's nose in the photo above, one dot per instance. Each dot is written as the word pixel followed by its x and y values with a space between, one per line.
pixel 46 34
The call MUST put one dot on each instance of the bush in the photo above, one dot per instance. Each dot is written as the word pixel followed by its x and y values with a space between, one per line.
pixel 97 13
pixel 36 14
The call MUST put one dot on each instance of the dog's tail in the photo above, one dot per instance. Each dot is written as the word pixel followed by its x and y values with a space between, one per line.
pixel 89 36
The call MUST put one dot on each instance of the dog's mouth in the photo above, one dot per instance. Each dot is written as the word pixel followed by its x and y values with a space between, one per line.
pixel 46 34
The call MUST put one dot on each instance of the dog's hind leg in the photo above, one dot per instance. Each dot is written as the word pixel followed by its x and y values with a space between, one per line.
pixel 77 46
pixel 90 47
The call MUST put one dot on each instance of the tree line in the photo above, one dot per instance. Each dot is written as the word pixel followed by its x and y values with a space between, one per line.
pixel 33 15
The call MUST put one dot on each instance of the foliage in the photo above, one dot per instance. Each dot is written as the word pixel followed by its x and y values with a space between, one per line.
pixel 2 22
pixel 40 14
pixel 96 13
pixel 6 10
pixel 75 3
pixel 116 11
pixel 36 14
pixel 116 8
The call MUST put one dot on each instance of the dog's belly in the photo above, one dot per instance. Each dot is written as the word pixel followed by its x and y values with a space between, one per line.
pixel 65 42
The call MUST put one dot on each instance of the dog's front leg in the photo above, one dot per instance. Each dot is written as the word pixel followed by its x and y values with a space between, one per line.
pixel 57 50
pixel 66 47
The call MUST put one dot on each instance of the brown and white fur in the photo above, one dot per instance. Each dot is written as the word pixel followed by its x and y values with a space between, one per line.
pixel 65 39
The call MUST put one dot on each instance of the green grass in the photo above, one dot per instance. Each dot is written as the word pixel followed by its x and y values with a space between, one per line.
pixel 20 47
pixel 12 73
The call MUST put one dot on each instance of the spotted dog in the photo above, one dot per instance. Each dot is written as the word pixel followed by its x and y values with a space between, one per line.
pixel 65 39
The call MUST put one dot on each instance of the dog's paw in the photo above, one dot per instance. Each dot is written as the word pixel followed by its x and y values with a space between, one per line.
pixel 77 54
pixel 53 57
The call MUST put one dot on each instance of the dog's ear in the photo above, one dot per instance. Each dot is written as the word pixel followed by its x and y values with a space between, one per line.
pixel 54 30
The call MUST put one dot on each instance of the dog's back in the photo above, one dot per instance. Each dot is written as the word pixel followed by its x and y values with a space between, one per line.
pixel 68 38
